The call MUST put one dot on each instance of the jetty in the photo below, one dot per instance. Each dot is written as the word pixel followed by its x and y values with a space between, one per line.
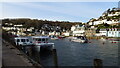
pixel 12 57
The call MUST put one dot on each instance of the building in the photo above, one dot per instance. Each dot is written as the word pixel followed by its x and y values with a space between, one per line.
pixel 55 33
pixel 90 32
pixel 78 30
pixel 114 32
pixel 103 32
pixel 73 28
pixel 67 33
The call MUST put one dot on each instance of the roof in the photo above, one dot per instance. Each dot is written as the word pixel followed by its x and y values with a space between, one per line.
pixel 28 37
pixel 103 30
pixel 39 36
pixel 21 37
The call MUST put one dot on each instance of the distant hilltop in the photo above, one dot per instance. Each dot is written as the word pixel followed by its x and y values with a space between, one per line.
pixel 111 16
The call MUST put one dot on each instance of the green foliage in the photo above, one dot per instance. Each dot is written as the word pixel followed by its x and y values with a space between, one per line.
pixel 39 23
pixel 100 26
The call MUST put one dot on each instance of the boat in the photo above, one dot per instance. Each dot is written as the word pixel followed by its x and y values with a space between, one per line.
pixel 22 41
pixel 80 39
pixel 103 39
pixel 115 41
pixel 53 37
pixel 42 42
pixel 61 37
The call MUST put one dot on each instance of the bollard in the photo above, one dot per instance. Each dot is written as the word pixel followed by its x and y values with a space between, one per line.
pixel 98 63
pixel 55 58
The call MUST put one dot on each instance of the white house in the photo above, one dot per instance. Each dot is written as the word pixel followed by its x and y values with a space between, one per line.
pixel 103 32
pixel 79 31
pixel 18 25
pixel 114 32
pixel 54 33
pixel 30 29
pixel 66 33
pixel 73 28
pixel 57 33
pixel 115 14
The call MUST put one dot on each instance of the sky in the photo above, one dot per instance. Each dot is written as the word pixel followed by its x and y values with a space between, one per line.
pixel 56 11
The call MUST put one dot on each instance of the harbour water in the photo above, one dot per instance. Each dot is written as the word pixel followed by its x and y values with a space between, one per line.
pixel 79 54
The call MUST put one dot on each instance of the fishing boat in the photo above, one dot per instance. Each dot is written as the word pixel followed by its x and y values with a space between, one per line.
pixel 80 39
pixel 22 41
pixel 42 42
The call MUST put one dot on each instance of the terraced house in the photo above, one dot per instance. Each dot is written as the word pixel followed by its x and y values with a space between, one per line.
pixel 114 32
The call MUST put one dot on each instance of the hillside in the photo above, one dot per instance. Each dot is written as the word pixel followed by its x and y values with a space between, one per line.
pixel 38 24
pixel 110 16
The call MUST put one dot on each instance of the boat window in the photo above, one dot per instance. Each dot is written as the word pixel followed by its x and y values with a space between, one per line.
pixel 39 39
pixel 46 39
pixel 27 40
pixel 22 40
pixel 18 40
pixel 34 39
pixel 43 39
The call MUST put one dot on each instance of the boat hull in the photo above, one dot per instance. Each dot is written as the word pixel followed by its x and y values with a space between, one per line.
pixel 80 41
pixel 40 47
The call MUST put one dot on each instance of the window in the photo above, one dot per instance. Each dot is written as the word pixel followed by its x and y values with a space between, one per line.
pixel 39 39
pixel 46 39
pixel 43 39
pixel 22 40
pixel 18 40
pixel 27 40
pixel 33 38
pixel 112 32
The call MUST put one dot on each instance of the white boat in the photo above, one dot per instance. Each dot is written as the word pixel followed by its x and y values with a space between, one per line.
pixel 53 37
pixel 102 39
pixel 42 41
pixel 22 41
pixel 80 39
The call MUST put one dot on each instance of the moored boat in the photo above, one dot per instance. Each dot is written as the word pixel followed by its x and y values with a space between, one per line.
pixel 103 39
pixel 115 41
pixel 81 39
pixel 22 41
pixel 61 37
pixel 42 41
pixel 53 37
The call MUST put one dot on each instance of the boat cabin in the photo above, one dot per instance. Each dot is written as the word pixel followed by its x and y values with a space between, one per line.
pixel 39 39
pixel 81 37
pixel 22 41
